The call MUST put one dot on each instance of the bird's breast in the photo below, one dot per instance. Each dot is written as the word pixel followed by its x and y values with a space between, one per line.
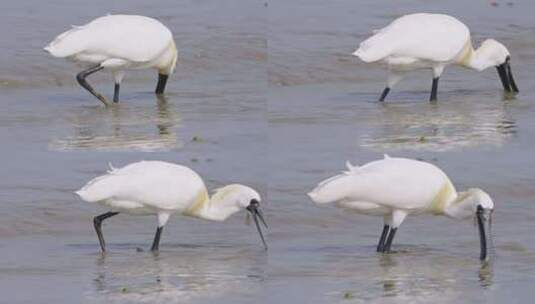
pixel 441 199
pixel 199 202
pixel 465 54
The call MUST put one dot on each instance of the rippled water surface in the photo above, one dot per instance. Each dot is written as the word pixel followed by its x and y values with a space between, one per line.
pixel 265 94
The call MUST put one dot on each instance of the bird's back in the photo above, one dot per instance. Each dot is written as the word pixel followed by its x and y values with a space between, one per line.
pixel 433 37
pixel 394 183
pixel 153 184
pixel 129 37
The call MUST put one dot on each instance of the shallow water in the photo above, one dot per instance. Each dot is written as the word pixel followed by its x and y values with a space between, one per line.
pixel 279 107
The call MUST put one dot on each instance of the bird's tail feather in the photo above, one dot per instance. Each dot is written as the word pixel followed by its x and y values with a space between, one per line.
pixel 67 43
pixel 374 48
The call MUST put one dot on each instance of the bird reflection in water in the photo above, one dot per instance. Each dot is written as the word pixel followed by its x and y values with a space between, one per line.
pixel 388 281
pixel 438 127
pixel 486 274
pixel 183 272
pixel 164 123
pixel 123 127
pixel 401 276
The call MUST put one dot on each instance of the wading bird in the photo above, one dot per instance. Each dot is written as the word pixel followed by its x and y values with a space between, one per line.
pixel 163 189
pixel 396 187
pixel 432 41
pixel 117 43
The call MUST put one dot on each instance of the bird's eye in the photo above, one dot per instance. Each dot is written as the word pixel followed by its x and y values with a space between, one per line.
pixel 254 202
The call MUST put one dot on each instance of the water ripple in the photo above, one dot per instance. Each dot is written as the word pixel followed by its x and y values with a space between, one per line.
pixel 124 128
pixel 444 129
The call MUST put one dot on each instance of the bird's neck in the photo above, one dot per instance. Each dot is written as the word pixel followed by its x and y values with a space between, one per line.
pixel 167 62
pixel 472 58
pixel 443 199
pixel 461 207
pixel 216 208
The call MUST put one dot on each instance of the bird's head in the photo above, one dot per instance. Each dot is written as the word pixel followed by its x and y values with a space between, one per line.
pixel 493 53
pixel 476 203
pixel 482 199
pixel 234 198
pixel 470 201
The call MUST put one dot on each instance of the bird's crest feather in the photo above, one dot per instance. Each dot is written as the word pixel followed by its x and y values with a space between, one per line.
pixel 351 168
pixel 112 169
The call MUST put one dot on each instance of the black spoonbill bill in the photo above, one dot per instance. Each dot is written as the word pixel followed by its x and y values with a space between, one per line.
pixel 116 43
pixel 432 41
pixel 163 189
pixel 396 187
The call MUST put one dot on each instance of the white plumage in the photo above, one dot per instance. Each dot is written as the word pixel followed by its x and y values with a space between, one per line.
pixel 114 37
pixel 432 41
pixel 163 189
pixel 146 187
pixel 396 187
pixel 445 37
pixel 402 177
pixel 116 43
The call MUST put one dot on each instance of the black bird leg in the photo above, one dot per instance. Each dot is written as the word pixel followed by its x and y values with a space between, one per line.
pixel 162 81
pixel 116 92
pixel 383 95
pixel 381 245
pixel 434 89
pixel 97 222
pixel 156 242
pixel 81 80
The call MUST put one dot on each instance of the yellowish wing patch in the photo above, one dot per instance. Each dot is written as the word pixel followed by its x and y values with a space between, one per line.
pixel 444 195
pixel 466 54
pixel 201 199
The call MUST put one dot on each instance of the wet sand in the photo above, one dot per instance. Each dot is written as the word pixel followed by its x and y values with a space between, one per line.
pixel 279 107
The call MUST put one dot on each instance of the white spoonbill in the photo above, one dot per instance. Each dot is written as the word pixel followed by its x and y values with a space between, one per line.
pixel 116 43
pixel 396 187
pixel 432 41
pixel 163 189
